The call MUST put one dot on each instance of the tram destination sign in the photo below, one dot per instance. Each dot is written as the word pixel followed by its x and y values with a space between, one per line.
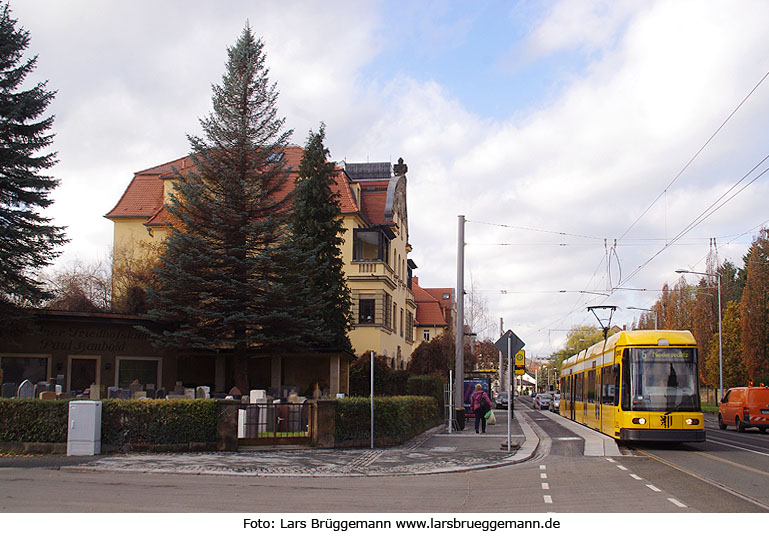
pixel 515 346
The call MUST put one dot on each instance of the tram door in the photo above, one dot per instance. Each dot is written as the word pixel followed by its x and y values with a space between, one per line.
pixel 571 397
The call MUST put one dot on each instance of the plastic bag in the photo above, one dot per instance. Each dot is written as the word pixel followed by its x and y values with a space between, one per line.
pixel 490 418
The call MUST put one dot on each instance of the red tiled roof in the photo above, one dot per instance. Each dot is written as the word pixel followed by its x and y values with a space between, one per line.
pixel 429 310
pixel 144 195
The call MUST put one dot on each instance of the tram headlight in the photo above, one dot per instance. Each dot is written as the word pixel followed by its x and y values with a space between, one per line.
pixel 692 422
pixel 639 420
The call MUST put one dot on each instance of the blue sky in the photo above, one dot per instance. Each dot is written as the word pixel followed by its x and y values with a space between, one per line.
pixel 542 122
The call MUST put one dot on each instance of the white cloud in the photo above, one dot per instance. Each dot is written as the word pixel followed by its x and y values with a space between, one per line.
pixel 654 80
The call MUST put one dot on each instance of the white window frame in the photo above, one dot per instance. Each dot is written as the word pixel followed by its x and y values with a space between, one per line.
pixel 69 368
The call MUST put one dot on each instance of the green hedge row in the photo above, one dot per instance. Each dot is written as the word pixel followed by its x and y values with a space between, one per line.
pixel 142 423
pixel 124 422
pixel 396 419
pixel 33 421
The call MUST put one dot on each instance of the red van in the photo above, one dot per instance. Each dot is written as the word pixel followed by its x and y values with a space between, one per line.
pixel 745 407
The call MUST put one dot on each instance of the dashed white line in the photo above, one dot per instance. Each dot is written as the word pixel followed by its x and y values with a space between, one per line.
pixel 610 460
pixel 543 476
pixel 622 467
pixel 636 476
pixel 548 499
pixel 676 502
pixel 542 467
pixel 653 488
pixel 545 485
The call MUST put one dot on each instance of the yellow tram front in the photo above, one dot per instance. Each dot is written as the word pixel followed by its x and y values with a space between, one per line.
pixel 636 386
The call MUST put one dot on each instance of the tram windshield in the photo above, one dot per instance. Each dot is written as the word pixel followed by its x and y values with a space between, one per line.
pixel 664 379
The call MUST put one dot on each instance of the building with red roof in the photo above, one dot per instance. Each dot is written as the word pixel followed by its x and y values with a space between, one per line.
pixel 375 251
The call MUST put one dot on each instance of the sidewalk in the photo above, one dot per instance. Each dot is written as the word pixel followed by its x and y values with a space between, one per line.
pixel 435 451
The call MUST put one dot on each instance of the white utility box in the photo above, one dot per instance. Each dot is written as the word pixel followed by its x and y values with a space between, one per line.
pixel 84 428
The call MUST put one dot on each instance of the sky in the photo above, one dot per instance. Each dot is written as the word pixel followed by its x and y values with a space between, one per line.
pixel 579 139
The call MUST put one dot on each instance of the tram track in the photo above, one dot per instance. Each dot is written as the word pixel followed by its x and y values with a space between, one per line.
pixel 707 480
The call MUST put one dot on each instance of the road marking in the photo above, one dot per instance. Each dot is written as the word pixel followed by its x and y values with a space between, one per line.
pixel 736 447
pixel 707 480
pixel 545 485
pixel 543 476
pixel 610 460
pixel 548 499
pixel 653 488
pixel 622 467
pixel 636 476
pixel 541 467
pixel 677 503
pixel 735 464
pixel 568 438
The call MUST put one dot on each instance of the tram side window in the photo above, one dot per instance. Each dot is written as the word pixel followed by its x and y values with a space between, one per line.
pixel 608 385
pixel 578 386
pixel 591 386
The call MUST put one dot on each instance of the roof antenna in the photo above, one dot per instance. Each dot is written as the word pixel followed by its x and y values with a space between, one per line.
pixel 607 327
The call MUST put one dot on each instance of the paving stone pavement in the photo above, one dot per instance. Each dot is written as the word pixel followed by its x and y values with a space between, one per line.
pixel 435 451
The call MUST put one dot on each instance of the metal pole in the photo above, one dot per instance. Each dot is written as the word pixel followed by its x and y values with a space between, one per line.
pixel 720 351
pixel 451 401
pixel 501 365
pixel 372 399
pixel 460 327
pixel 509 394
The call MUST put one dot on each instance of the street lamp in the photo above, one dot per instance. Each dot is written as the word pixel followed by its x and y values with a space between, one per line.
pixel 720 348
pixel 648 310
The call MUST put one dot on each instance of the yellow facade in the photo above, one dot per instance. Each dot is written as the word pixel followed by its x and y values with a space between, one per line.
pixel 378 282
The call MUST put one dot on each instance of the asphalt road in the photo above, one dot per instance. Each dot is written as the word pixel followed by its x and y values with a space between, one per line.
pixel 559 478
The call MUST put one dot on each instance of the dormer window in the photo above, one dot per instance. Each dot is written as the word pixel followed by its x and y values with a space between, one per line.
pixel 275 157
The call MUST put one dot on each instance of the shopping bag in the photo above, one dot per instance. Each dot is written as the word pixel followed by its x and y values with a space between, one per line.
pixel 490 418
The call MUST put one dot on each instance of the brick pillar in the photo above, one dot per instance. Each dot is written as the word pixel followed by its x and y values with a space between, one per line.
pixel 324 423
pixel 227 424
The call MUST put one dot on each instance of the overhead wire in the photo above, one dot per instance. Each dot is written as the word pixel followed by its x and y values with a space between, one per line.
pixel 699 151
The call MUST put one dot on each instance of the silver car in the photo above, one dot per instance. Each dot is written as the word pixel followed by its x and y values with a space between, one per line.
pixel 542 400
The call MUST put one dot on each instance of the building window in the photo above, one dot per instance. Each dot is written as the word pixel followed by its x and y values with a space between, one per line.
pixel 388 307
pixel 426 334
pixel 18 369
pixel 146 371
pixel 371 245
pixel 409 327
pixel 401 322
pixel 446 296
pixel 366 311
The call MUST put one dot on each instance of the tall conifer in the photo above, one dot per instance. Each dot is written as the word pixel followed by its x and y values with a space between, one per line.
pixel 226 269
pixel 317 232
pixel 28 241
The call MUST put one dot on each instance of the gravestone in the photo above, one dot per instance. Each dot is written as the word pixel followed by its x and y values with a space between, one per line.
pixel 160 393
pixel 125 394
pixel 60 379
pixel 203 392
pixel 26 390
pixel 139 394
pixel 189 393
pixel 10 390
pixel 47 395
pixel 150 391
pixel 113 392
pixel 41 387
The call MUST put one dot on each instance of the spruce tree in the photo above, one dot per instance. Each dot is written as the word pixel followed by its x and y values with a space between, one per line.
pixel 224 275
pixel 28 241
pixel 317 232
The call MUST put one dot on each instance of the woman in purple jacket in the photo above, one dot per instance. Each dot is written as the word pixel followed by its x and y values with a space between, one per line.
pixel 480 404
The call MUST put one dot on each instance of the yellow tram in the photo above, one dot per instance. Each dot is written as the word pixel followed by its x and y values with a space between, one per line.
pixel 636 386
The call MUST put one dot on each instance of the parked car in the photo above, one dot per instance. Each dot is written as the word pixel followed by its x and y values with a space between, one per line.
pixel 555 405
pixel 745 407
pixel 542 400
pixel 501 400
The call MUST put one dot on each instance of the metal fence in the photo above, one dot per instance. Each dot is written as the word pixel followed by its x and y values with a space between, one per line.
pixel 270 424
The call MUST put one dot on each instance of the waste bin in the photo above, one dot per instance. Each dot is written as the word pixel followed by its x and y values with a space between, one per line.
pixel 84 428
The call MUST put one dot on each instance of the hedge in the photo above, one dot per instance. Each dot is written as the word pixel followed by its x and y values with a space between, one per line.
pixel 396 419
pixel 134 423
pixel 144 423
pixel 426 385
pixel 33 421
